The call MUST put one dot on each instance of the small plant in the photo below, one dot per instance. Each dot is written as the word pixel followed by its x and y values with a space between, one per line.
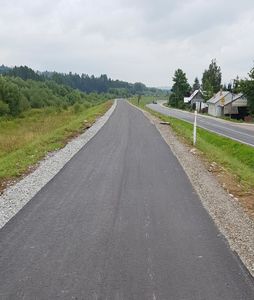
pixel 65 106
pixel 76 108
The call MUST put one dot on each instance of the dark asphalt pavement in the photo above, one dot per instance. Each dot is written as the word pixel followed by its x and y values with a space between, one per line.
pixel 236 131
pixel 119 221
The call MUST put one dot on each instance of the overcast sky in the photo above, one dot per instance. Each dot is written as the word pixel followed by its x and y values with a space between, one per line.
pixel 133 40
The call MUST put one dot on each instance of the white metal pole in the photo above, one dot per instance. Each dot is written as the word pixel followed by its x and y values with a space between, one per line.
pixel 195 128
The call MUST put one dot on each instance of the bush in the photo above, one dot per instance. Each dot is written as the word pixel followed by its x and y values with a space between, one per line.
pixel 172 100
pixel 4 108
pixel 86 105
pixel 76 108
pixel 24 104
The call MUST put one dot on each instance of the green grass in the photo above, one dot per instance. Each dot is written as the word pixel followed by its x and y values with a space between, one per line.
pixel 143 102
pixel 235 157
pixel 24 141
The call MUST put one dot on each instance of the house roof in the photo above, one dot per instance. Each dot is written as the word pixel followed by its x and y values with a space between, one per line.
pixel 237 96
pixel 220 95
pixel 217 97
pixel 188 99
pixel 234 98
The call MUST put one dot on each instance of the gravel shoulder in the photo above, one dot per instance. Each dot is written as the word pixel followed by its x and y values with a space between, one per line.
pixel 230 218
pixel 17 195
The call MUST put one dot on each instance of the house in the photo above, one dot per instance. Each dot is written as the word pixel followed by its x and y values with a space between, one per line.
pixel 237 106
pixel 196 100
pixel 226 103
pixel 217 102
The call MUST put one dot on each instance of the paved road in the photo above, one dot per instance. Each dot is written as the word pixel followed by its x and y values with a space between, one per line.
pixel 119 221
pixel 241 133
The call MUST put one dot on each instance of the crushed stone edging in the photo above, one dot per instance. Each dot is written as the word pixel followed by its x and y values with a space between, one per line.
pixel 17 195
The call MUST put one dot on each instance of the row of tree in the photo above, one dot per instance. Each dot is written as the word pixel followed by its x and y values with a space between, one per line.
pixel 21 88
pixel 18 95
pixel 210 84
pixel 83 82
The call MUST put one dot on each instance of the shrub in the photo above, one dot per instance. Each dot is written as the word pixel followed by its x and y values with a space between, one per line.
pixel 76 108
pixel 4 108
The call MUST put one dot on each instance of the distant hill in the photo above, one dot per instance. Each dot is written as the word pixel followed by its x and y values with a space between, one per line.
pixel 83 82
pixel 4 69
pixel 164 88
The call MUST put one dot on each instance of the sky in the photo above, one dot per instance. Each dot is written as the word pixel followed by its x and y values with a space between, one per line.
pixel 133 40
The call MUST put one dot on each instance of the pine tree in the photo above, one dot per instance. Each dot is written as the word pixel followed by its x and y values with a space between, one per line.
pixel 180 87
pixel 211 80
pixel 196 85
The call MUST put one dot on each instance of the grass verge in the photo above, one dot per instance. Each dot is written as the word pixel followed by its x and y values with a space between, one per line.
pixel 24 141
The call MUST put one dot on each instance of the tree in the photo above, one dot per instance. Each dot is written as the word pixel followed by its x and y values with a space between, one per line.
pixel 12 98
pixel 236 85
pixel 180 88
pixel 172 101
pixel 24 72
pixel 139 98
pixel 229 87
pixel 247 86
pixel 139 88
pixel 196 85
pixel 211 80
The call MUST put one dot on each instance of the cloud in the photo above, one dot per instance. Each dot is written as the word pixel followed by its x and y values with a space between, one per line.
pixel 130 40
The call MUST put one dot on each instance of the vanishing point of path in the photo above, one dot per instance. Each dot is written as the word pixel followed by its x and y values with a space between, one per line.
pixel 119 221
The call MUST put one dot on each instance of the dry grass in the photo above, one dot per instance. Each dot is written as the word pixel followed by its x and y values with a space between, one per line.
pixel 24 141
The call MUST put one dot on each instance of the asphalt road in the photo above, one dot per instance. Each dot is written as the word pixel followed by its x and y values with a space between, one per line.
pixel 239 132
pixel 119 221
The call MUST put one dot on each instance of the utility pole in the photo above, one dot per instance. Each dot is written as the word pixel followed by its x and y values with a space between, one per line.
pixel 195 128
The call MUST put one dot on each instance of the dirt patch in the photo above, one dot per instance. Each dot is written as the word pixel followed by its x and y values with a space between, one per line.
pixel 237 191
pixel 229 183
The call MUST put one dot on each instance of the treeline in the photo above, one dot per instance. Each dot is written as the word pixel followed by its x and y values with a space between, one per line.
pixel 210 84
pixel 18 95
pixel 83 82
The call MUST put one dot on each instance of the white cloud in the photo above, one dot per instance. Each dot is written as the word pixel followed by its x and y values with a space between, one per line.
pixel 130 40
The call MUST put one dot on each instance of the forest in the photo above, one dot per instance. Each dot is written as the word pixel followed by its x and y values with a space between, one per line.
pixel 21 89
pixel 18 95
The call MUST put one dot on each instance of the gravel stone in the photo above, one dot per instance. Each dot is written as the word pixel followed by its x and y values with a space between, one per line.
pixel 17 195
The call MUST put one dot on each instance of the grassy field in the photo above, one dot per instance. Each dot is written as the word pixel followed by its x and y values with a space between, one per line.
pixel 24 141
pixel 144 100
pixel 235 157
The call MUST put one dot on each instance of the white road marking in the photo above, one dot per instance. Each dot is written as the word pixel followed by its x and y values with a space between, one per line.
pixel 213 131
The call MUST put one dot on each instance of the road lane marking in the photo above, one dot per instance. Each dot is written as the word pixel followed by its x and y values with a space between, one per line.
pixel 213 131
pixel 204 119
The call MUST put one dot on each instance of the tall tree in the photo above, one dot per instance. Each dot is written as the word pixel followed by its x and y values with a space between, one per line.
pixel 236 85
pixel 211 80
pixel 247 86
pixel 180 87
pixel 196 85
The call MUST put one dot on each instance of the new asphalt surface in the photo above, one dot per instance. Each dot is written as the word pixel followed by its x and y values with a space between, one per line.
pixel 239 132
pixel 119 221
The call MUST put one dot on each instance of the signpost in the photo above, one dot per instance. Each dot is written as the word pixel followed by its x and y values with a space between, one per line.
pixel 195 128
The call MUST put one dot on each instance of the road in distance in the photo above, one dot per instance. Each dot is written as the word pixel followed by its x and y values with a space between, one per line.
pixel 239 132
